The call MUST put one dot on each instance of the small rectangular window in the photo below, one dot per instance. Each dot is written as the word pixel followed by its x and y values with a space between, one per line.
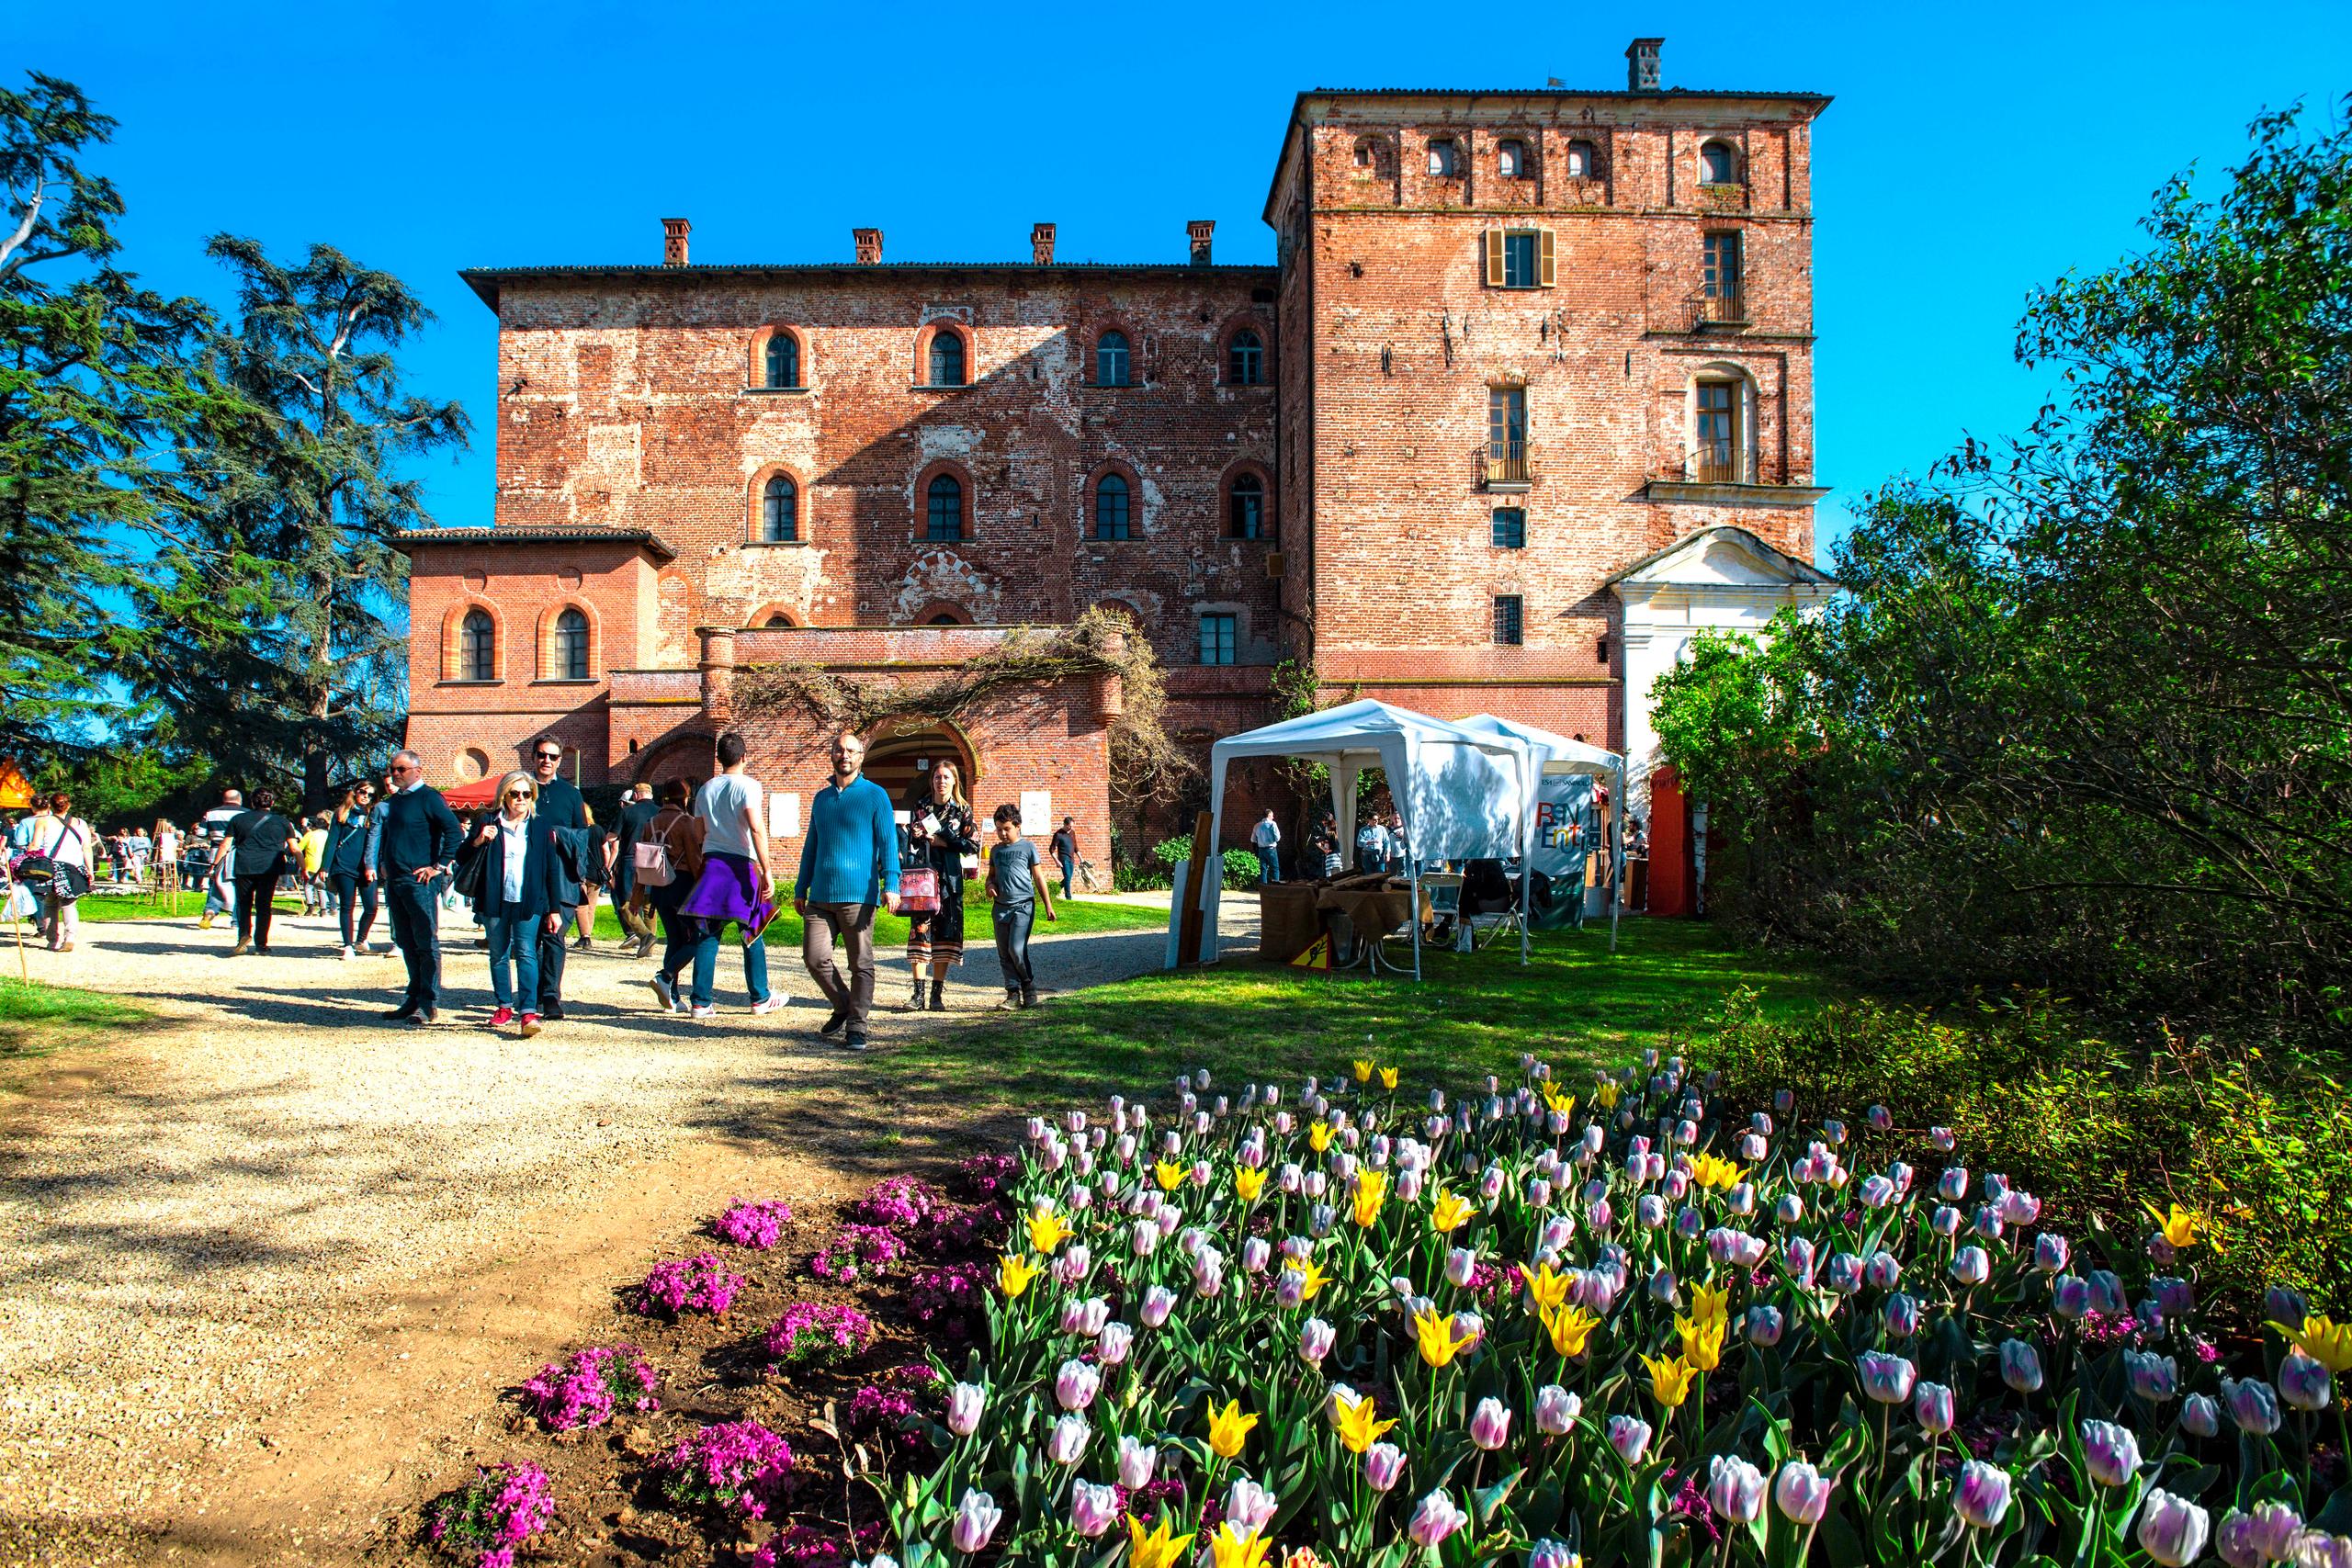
pixel 1508 608
pixel 1511 528
pixel 1723 264
pixel 1216 638
pixel 1519 259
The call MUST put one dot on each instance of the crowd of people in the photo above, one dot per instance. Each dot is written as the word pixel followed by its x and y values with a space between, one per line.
pixel 683 867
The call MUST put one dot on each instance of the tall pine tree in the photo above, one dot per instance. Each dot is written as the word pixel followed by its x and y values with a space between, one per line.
pixel 94 374
pixel 275 603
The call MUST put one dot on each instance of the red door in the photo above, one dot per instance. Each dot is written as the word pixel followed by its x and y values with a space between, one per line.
pixel 1671 889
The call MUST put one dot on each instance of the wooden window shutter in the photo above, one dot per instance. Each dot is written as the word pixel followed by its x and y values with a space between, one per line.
pixel 1494 258
pixel 1550 268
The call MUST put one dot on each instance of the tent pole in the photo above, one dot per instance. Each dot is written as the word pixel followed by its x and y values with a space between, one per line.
pixel 1414 867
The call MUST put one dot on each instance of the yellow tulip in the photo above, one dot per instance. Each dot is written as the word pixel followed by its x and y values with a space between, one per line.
pixel 1566 1104
pixel 1569 1328
pixel 2323 1340
pixel 1371 1190
pixel 1012 1276
pixel 1364 1071
pixel 1715 1174
pixel 1227 1429
pixel 1435 1331
pixel 1311 1277
pixel 1448 1212
pixel 1249 1181
pixel 1388 1078
pixel 1171 1175
pixel 1671 1378
pixel 1703 1341
pixel 1046 1231
pixel 1358 1431
pixel 1156 1548
pixel 1318 1136
pixel 2180 1228
pixel 1710 1302
pixel 1546 1288
pixel 1606 1095
pixel 1230 1550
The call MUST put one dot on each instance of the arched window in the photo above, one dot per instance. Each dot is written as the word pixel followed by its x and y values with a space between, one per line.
pixel 776 621
pixel 1111 507
pixel 1511 161
pixel 477 647
pixel 946 358
pixel 780 512
pixel 944 618
pixel 1246 511
pixel 1245 359
pixel 784 361
pixel 1111 360
pixel 1583 162
pixel 570 660
pixel 1445 161
pixel 943 506
pixel 1718 164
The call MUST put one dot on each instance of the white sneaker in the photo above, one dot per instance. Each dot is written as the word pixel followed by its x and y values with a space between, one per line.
pixel 705 1012
pixel 774 1004
pixel 344 953
pixel 666 991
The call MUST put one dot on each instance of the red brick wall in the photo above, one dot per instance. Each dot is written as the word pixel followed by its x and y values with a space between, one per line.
pixel 1393 338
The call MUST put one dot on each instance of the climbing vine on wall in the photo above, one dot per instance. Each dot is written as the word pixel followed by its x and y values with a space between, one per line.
pixel 1146 763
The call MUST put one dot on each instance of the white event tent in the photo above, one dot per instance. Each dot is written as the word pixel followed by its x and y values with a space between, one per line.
pixel 1552 753
pixel 1465 795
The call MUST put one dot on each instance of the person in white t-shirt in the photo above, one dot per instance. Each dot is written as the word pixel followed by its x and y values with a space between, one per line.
pixel 1266 839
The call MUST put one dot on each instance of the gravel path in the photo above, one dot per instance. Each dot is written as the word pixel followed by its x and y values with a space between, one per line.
pixel 266 1262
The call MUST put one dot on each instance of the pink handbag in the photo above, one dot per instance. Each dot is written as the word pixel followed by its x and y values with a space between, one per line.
pixel 919 891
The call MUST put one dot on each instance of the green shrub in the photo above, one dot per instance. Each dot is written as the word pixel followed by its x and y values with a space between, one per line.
pixel 2260 1143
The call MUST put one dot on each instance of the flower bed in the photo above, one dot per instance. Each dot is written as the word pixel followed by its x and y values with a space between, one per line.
pixel 488 1518
pixel 1610 1320
pixel 591 1387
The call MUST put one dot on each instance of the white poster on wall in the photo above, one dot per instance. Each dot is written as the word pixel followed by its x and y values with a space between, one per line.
pixel 1037 813
pixel 783 815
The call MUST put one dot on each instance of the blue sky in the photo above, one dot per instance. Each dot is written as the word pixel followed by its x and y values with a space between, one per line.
pixel 1973 152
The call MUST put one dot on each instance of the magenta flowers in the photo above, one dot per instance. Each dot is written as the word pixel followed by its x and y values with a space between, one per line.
pixel 591 1388
pixel 700 1283
pixel 813 1333
pixel 501 1508
pixel 754 1223
pixel 739 1467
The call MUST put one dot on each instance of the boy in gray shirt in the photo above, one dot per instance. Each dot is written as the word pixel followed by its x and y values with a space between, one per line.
pixel 1015 887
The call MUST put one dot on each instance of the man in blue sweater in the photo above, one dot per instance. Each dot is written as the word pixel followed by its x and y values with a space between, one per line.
pixel 418 838
pixel 848 863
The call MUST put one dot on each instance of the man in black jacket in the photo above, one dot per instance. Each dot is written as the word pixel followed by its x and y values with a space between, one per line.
pixel 420 836
pixel 560 806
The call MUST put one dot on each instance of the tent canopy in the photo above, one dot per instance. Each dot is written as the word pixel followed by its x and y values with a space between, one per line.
pixel 1554 754
pixel 1464 796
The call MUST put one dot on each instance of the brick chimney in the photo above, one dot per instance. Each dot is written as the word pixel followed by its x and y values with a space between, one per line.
pixel 1199 229
pixel 1041 244
pixel 869 246
pixel 1641 65
pixel 673 241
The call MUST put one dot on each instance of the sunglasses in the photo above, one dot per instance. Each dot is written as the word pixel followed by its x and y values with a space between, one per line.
pixel 551 756
pixel 518 794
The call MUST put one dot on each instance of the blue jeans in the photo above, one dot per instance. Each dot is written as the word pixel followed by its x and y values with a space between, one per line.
pixel 515 939
pixel 1270 866
pixel 756 964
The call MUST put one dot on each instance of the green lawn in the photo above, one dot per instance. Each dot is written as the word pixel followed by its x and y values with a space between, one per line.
pixel 36 1018
pixel 1079 915
pixel 1474 1013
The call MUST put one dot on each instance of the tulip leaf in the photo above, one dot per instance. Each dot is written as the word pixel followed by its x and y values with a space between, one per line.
pixel 1487 1499
pixel 2335 1517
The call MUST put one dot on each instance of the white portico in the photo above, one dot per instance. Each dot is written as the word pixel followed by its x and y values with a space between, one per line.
pixel 1720 579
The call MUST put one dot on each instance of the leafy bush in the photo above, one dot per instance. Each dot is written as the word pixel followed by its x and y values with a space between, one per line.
pixel 2263 1142
pixel 1241 866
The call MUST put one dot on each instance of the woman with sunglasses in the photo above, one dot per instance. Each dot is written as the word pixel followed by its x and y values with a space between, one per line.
pixel 346 864
pixel 518 901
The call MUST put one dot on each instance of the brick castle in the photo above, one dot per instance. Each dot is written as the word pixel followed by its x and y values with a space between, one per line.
pixel 1526 400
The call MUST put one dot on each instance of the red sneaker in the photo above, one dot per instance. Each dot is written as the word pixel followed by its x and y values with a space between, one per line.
pixel 530 1025
pixel 502 1018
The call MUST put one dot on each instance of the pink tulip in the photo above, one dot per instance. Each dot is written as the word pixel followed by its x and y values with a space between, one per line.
pixel 1802 1492
pixel 1435 1519
pixel 1490 1424
pixel 976 1518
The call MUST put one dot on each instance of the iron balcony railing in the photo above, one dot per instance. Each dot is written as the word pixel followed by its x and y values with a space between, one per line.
pixel 1721 306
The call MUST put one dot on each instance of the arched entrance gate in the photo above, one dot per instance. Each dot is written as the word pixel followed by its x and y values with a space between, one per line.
pixel 901 764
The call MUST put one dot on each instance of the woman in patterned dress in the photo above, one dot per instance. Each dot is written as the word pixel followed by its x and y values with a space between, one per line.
pixel 941 830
